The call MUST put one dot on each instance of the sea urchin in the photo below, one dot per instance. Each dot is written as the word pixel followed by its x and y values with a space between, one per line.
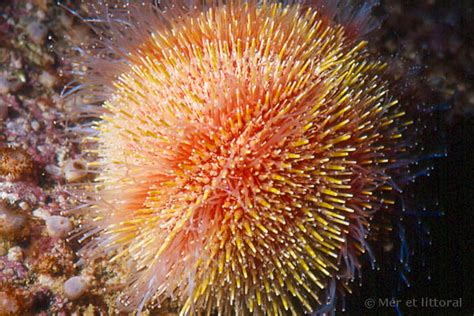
pixel 242 152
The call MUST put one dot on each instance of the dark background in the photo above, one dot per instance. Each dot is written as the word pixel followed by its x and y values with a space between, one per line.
pixel 437 38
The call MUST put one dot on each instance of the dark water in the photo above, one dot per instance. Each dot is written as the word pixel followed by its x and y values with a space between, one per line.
pixel 443 272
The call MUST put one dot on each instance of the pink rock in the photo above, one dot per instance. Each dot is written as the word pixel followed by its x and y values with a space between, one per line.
pixel 58 226
pixel 75 287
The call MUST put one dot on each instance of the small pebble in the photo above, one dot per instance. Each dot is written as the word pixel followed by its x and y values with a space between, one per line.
pixel 37 32
pixel 24 206
pixel 35 126
pixel 41 213
pixel 53 170
pixel 58 226
pixel 75 287
pixel 15 254
pixel 74 170
pixel 17 63
pixel 41 15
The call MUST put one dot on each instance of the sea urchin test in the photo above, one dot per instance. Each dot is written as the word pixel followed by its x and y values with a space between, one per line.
pixel 241 151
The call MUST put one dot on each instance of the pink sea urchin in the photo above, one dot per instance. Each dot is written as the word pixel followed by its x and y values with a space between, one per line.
pixel 242 151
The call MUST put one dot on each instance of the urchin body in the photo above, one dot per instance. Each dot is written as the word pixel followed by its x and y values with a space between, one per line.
pixel 242 153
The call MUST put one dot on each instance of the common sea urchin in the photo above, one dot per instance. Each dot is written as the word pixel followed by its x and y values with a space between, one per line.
pixel 242 152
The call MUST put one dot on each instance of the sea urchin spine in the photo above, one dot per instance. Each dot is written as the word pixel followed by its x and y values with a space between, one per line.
pixel 242 151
